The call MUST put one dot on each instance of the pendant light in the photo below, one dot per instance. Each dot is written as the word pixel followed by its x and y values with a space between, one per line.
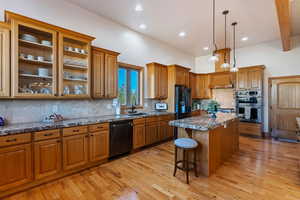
pixel 214 57
pixel 226 62
pixel 234 67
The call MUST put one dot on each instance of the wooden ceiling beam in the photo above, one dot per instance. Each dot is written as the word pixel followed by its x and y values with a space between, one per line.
pixel 283 13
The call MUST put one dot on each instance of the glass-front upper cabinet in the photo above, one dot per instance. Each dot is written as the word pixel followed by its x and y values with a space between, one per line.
pixel 74 66
pixel 34 61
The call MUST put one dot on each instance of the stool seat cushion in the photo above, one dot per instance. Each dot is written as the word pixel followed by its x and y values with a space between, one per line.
pixel 186 143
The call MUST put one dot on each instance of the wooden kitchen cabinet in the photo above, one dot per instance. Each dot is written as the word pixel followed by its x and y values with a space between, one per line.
pixel 4 60
pixel 250 78
pixel 48 61
pixel 182 76
pixel 193 85
pixel 242 79
pixel 151 130
pixel 47 158
pixel 222 54
pixel 255 78
pixel 139 135
pixel 16 166
pixel 99 145
pixel 202 86
pixel 74 66
pixel 104 73
pixel 157 80
pixel 222 80
pixel 75 151
pixel 27 81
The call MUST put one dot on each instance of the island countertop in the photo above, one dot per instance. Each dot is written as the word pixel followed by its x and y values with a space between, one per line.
pixel 204 122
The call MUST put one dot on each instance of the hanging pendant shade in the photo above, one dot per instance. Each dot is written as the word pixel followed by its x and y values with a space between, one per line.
pixel 214 57
pixel 226 62
pixel 234 67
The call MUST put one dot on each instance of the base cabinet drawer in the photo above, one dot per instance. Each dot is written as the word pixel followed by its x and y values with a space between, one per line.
pixel 47 158
pixel 250 128
pixel 75 151
pixel 16 166
pixel 10 140
pixel 99 145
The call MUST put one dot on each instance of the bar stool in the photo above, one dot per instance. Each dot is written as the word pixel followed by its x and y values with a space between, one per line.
pixel 187 145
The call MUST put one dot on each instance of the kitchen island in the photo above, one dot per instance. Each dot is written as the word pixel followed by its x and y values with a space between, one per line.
pixel 218 139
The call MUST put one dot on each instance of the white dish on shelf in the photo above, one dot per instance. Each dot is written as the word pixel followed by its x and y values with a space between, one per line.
pixel 30 57
pixel 41 58
pixel 43 72
pixel 46 42
pixel 29 38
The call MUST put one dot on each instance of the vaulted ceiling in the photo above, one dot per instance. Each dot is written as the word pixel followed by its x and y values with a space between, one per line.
pixel 257 19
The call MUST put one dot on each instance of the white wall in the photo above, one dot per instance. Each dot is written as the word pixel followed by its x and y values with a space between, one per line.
pixel 270 54
pixel 135 48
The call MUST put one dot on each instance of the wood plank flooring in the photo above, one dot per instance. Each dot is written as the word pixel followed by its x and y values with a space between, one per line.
pixel 261 170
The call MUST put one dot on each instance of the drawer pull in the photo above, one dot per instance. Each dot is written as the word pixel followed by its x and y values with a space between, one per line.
pixel 76 131
pixel 58 141
pixel 12 140
pixel 48 134
pixel 100 127
pixel 92 135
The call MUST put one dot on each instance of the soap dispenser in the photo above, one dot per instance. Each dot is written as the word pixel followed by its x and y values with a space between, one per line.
pixel 2 121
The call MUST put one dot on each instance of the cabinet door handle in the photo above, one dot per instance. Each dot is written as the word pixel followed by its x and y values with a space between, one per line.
pixel 48 134
pixel 11 140
pixel 92 135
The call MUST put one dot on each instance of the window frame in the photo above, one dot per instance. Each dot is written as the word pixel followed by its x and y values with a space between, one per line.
pixel 140 80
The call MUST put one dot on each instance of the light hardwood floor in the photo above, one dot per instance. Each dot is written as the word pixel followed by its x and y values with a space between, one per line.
pixel 262 169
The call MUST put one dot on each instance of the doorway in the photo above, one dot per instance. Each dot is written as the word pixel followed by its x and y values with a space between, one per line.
pixel 284 106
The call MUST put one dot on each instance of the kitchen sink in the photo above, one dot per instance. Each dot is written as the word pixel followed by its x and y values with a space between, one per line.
pixel 136 114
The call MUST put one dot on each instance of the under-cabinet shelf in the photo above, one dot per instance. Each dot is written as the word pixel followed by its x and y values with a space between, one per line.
pixel 35 76
pixel 35 61
pixel 34 44
pixel 78 80
pixel 75 67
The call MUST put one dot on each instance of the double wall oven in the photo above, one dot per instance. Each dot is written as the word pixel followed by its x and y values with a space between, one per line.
pixel 250 105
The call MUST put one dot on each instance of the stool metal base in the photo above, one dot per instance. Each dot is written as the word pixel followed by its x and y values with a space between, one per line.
pixel 185 163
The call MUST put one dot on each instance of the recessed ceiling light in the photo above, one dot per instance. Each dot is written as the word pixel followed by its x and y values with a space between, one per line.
pixel 245 38
pixel 182 34
pixel 143 26
pixel 139 8
pixel 205 48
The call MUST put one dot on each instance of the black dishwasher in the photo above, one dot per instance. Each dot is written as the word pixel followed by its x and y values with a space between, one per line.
pixel 121 135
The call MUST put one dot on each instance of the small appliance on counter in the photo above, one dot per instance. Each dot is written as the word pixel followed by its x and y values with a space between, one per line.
pixel 53 118
pixel 161 106
pixel 2 122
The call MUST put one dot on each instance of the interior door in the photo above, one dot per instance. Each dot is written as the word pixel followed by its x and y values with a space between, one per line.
pixel 285 106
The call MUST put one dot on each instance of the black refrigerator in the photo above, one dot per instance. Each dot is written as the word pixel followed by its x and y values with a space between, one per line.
pixel 183 104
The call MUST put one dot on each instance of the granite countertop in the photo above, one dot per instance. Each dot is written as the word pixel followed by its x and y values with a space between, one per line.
pixel 204 123
pixel 40 126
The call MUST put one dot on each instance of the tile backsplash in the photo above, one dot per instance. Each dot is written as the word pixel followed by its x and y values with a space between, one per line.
pixel 23 111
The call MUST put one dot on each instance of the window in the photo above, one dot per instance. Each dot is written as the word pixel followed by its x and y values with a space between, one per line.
pixel 129 85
